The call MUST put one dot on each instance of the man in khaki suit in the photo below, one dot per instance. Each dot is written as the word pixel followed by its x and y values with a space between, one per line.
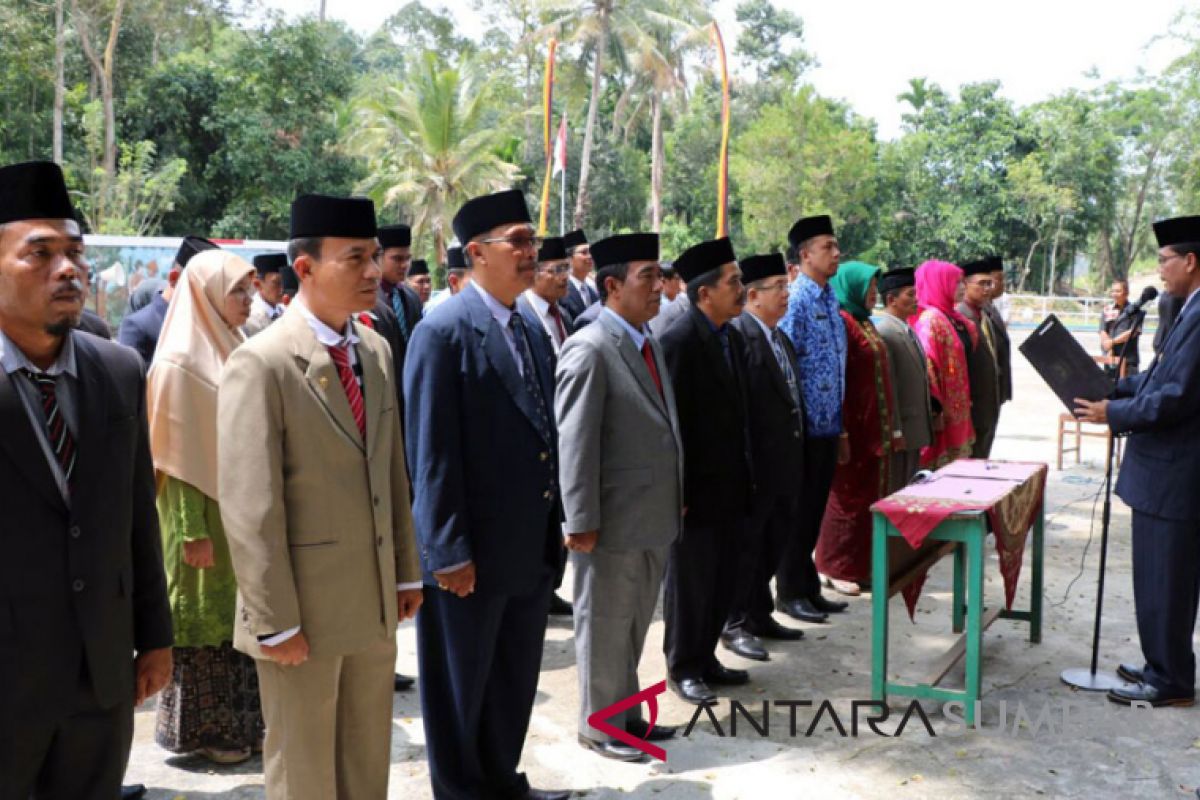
pixel 314 497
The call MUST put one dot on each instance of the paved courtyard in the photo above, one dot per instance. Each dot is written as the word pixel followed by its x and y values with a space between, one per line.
pixel 1101 751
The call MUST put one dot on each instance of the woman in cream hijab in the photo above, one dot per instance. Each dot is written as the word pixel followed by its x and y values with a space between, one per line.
pixel 211 705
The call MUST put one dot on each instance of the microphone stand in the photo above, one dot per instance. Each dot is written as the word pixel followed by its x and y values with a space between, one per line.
pixel 1087 678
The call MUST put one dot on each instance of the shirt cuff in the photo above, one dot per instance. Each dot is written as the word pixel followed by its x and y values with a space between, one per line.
pixel 404 587
pixel 276 639
pixel 451 568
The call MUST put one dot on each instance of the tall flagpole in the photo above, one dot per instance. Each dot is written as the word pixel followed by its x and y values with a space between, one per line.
pixel 723 165
pixel 562 199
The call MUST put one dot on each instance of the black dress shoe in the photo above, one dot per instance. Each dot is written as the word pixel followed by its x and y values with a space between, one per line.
pixel 133 792
pixel 720 675
pixel 614 750
pixel 655 733
pixel 828 606
pixel 745 645
pixel 1130 673
pixel 773 630
pixel 1145 693
pixel 694 691
pixel 546 794
pixel 403 682
pixel 560 607
pixel 801 609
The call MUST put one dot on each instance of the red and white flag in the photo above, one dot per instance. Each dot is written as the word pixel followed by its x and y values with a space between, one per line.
pixel 560 148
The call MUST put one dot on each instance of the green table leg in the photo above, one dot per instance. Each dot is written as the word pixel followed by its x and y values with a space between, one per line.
pixel 879 608
pixel 974 632
pixel 959 606
pixel 1035 600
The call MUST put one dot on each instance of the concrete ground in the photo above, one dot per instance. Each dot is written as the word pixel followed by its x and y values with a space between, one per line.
pixel 1102 751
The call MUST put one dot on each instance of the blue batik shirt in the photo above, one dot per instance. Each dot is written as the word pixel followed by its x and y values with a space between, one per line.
pixel 817 332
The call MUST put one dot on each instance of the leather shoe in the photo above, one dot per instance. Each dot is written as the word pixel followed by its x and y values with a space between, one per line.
pixel 694 691
pixel 721 675
pixel 612 749
pixel 650 733
pixel 801 609
pixel 745 645
pixel 828 606
pixel 546 794
pixel 1129 673
pixel 560 607
pixel 773 630
pixel 1145 693
pixel 134 791
pixel 403 683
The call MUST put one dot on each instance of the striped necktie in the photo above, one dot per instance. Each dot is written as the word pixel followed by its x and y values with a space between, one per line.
pixel 398 308
pixel 62 443
pixel 341 359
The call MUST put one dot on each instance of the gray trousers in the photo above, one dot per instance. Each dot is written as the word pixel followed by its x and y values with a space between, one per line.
pixel 903 466
pixel 615 595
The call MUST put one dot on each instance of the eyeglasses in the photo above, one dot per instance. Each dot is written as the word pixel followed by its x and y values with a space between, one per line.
pixel 1164 259
pixel 986 283
pixel 556 269
pixel 519 241
pixel 777 287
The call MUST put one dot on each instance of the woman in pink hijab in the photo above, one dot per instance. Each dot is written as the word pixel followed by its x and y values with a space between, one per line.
pixel 947 337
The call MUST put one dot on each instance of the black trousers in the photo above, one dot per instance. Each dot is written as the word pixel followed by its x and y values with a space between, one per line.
pixel 1166 591
pixel 80 756
pixel 702 572
pixel 771 525
pixel 796 578
pixel 480 657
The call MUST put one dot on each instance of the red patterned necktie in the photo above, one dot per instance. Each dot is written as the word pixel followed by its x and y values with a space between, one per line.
pixel 648 354
pixel 341 359
pixel 61 440
pixel 557 314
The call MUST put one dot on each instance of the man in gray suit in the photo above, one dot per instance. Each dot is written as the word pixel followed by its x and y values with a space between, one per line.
pixel 621 472
pixel 982 365
pixel 910 376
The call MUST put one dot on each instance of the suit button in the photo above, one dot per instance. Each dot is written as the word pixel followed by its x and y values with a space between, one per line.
pixel 75 532
pixel 796 434
pixel 543 456
pixel 77 585
pixel 546 494
pixel 379 541
pixel 375 499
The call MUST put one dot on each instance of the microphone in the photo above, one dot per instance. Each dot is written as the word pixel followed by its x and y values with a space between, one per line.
pixel 1149 294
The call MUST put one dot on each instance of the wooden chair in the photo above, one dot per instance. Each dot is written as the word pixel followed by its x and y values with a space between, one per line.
pixel 1068 426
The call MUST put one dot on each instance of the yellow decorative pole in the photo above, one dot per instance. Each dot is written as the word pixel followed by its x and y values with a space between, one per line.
pixel 547 112
pixel 723 166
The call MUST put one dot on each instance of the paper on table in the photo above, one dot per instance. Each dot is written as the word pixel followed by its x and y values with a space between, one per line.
pixel 993 470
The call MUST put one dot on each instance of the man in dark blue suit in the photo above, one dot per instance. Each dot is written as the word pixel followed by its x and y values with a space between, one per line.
pixel 479 412
pixel 1160 410
pixel 581 295
pixel 140 329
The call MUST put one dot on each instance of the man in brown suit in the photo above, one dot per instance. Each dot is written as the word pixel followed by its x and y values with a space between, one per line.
pixel 314 497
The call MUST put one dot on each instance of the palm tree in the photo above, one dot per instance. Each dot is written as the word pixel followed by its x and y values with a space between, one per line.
pixel 606 28
pixel 427 144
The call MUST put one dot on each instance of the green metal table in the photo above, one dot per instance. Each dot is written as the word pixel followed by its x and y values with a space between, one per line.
pixel 962 534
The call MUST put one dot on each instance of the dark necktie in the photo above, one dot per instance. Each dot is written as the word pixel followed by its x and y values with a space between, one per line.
pixel 558 322
pixel 789 374
pixel 398 308
pixel 341 359
pixel 648 355
pixel 529 375
pixel 62 443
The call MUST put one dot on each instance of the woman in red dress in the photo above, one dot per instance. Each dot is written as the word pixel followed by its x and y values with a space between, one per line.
pixel 843 554
pixel 947 337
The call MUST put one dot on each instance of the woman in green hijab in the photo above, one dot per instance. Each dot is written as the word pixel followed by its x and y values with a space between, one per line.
pixel 843 554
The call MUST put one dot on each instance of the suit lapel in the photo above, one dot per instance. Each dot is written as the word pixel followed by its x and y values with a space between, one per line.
pixel 495 347
pixel 21 443
pixel 322 377
pixel 761 345
pixel 637 363
pixel 93 415
pixel 373 393
pixel 715 351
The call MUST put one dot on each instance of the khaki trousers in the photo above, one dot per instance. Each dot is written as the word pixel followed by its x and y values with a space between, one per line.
pixel 329 725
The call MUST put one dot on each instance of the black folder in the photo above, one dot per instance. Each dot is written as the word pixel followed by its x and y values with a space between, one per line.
pixel 1064 365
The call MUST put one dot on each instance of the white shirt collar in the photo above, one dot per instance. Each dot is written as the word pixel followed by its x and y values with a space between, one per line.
pixel 325 334
pixel 577 283
pixel 770 332
pixel 637 336
pixel 540 305
pixel 1187 302
pixel 259 302
pixel 500 312
pixel 13 358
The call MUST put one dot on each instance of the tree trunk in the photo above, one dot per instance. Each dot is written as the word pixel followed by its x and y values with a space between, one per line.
pixel 581 199
pixel 1131 243
pixel 102 72
pixel 656 162
pixel 60 89
pixel 1028 265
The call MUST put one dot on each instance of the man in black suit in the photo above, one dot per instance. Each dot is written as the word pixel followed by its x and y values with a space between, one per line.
pixel 581 295
pixel 140 329
pixel 86 628
pixel 777 446
pixel 704 355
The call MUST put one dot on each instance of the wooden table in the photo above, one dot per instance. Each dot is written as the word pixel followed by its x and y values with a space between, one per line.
pixel 986 485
